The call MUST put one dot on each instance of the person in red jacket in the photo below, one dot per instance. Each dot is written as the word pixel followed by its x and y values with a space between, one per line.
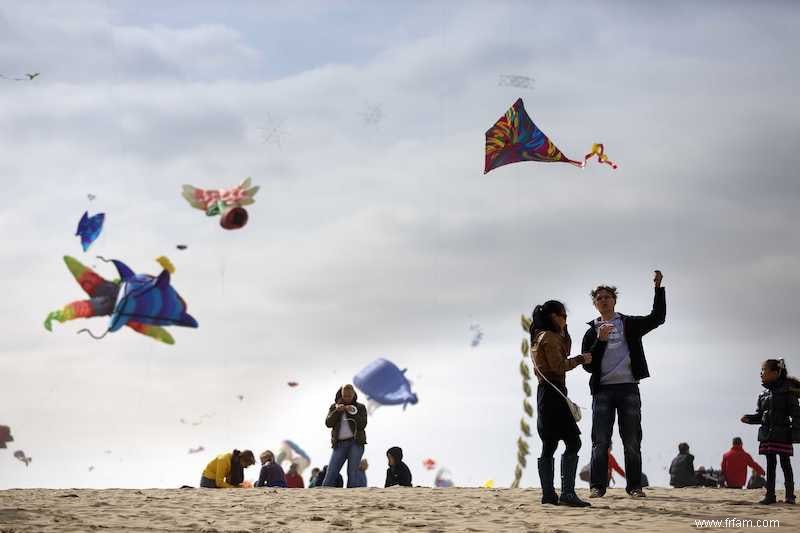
pixel 734 465
pixel 613 466
pixel 293 479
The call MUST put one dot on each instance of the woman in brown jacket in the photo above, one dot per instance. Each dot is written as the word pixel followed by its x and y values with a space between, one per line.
pixel 551 345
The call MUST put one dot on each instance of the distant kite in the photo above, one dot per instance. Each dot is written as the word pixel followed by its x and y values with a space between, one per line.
pixel 293 454
pixel 181 247
pixel 514 138
pixel 89 228
pixel 476 339
pixel 429 464
pixel 385 384
pixel 91 468
pixel 196 450
pixel 241 397
pixel 19 454
pixel 293 384
pixel 29 77
pixel 443 478
pixel 91 197
pixel 228 203
pixel 514 80
pixel 5 436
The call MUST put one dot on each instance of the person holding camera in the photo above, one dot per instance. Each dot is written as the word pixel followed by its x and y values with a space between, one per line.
pixel 347 419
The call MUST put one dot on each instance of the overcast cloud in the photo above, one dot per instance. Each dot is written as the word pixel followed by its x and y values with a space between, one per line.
pixel 386 239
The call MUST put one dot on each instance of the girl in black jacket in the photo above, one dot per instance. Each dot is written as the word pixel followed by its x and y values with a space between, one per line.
pixel 778 413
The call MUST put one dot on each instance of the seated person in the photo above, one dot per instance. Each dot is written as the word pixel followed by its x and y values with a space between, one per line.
pixel 707 477
pixel 681 471
pixel 271 472
pixel 312 480
pixel 734 465
pixel 321 477
pixel 293 479
pixel 397 473
pixel 227 470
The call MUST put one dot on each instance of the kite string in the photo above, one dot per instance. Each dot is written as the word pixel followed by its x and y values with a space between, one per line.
pixel 541 375
pixel 86 330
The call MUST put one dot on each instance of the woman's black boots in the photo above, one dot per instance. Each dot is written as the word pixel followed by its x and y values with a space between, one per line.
pixel 546 467
pixel 569 467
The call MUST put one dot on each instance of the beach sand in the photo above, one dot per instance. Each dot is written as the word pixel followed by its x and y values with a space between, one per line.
pixel 375 510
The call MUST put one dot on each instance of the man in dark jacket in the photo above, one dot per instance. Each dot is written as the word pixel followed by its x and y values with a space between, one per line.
pixel 398 472
pixel 681 470
pixel 617 365
pixel 347 419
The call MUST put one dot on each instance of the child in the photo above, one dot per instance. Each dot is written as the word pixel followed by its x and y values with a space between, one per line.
pixel 271 474
pixel 776 406
pixel 397 473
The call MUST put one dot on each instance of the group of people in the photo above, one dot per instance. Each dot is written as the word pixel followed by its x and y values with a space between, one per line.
pixel 612 352
pixel 347 419
pixel 732 474
pixel 778 415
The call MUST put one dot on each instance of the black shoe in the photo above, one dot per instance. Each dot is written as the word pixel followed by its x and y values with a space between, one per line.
pixel 571 500
pixel 789 499
pixel 769 499
pixel 550 498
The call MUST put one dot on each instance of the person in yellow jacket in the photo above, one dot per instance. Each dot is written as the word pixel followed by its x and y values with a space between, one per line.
pixel 227 470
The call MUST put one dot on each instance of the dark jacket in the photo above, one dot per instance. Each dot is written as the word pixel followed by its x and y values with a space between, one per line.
pixel 271 475
pixel 321 478
pixel 357 421
pixel 397 474
pixel 635 327
pixel 681 471
pixel 778 412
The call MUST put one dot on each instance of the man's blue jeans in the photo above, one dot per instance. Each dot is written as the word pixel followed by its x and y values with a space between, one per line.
pixel 607 401
pixel 350 451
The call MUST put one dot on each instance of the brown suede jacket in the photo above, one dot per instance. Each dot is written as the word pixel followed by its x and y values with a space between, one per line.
pixel 550 352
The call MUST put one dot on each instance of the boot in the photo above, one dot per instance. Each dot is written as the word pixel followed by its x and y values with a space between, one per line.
pixel 769 499
pixel 789 485
pixel 546 466
pixel 569 466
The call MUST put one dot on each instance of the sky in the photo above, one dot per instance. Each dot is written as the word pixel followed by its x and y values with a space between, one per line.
pixel 382 237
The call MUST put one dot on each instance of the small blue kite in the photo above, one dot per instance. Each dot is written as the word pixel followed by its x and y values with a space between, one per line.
pixel 89 228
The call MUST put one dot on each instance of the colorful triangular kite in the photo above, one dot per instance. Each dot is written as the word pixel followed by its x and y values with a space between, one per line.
pixel 514 138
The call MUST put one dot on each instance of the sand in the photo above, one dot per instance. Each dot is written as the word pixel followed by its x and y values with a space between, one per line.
pixel 375 510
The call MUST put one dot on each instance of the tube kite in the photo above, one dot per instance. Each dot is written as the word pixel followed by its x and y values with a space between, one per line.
pixel 385 384
pixel 515 137
pixel 228 203
pixel 142 302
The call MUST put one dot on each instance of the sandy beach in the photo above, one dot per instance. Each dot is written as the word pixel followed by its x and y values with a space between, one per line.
pixel 375 510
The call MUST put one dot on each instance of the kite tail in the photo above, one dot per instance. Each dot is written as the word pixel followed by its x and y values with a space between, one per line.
pixel 597 149
pixel 92 335
pixel 71 311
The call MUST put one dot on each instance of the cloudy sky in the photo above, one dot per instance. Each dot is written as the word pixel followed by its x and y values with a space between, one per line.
pixel 375 232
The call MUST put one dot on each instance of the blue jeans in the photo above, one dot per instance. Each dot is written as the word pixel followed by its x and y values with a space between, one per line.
pixel 350 451
pixel 607 401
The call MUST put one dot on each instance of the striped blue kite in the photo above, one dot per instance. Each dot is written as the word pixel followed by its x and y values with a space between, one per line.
pixel 142 302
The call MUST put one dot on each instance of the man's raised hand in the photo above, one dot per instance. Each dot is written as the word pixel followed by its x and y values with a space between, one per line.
pixel 657 278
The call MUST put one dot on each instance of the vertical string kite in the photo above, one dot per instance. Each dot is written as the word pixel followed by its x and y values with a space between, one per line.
pixel 523 450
